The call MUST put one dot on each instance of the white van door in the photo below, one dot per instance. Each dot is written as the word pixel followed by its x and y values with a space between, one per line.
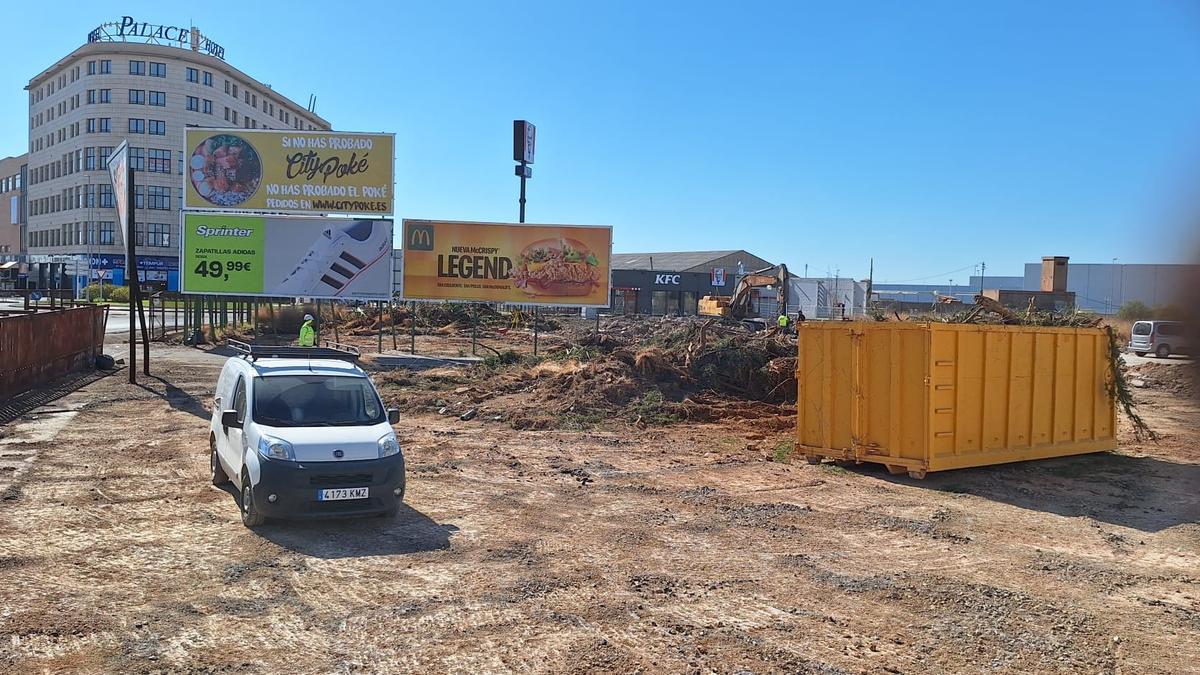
pixel 234 438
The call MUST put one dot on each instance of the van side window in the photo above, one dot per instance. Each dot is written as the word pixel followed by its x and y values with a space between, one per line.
pixel 1166 329
pixel 239 399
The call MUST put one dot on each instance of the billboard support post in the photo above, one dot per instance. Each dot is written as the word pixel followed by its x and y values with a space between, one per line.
pixel 412 326
pixel 474 323
pixel 131 282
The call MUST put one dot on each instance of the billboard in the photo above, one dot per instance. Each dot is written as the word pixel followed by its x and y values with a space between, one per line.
pixel 563 265
pixel 342 258
pixel 326 172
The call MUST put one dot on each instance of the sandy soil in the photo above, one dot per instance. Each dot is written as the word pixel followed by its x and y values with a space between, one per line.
pixel 680 549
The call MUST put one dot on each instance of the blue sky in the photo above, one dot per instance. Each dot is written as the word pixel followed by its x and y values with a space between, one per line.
pixel 929 136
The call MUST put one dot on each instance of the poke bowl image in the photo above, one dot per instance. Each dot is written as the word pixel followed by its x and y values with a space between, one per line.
pixel 225 169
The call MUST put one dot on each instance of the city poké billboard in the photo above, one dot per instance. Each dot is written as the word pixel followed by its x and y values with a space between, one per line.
pixel 326 172
pixel 560 265
pixel 286 256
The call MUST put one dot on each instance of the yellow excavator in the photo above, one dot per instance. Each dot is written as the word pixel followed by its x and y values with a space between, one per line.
pixel 737 306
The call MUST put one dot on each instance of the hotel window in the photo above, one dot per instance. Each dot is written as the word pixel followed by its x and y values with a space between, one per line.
pixel 137 159
pixel 139 197
pixel 158 128
pixel 106 95
pixel 254 100
pixel 158 234
pixel 137 97
pixel 159 198
pixel 107 231
pixel 137 67
pixel 105 125
pixel 235 117
pixel 90 196
pixel 105 67
pixel 207 79
pixel 91 68
pixel 226 113
pixel 91 125
pixel 207 107
pixel 158 161
pixel 235 90
pixel 193 103
pixel 226 86
pixel 137 126
pixel 106 200
pixel 158 98
pixel 91 97
pixel 158 69
pixel 193 75
pixel 140 229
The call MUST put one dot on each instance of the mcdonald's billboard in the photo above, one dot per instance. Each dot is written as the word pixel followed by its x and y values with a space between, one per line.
pixel 561 265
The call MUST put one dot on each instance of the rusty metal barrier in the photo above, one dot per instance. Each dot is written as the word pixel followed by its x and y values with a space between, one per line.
pixel 36 348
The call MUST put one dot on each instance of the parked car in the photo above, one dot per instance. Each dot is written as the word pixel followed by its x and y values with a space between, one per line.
pixel 1161 338
pixel 302 432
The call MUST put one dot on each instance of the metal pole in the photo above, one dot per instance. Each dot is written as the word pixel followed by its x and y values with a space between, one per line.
pixel 380 304
pixel 412 324
pixel 535 331
pixel 474 324
pixel 522 214
pixel 131 270
pixel 392 319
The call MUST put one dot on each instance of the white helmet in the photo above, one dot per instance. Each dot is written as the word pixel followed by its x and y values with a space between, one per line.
pixel 308 317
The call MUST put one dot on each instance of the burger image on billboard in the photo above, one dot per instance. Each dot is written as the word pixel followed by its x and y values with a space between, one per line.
pixel 225 169
pixel 558 267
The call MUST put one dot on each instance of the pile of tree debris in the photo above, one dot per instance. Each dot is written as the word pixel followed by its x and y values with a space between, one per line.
pixel 637 370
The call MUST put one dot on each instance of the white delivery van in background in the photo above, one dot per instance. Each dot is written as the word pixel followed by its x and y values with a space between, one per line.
pixel 302 432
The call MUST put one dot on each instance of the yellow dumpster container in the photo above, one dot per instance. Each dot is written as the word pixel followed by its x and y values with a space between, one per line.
pixel 930 397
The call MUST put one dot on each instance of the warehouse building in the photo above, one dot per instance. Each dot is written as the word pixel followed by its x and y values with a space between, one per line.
pixel 145 83
pixel 1097 287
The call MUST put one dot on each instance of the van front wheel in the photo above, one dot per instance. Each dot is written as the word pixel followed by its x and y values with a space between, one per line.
pixel 250 515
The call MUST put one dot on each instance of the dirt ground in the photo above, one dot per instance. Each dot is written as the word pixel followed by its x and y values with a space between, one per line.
pixel 673 549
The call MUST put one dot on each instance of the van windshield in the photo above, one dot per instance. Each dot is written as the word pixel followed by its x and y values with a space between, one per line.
pixel 315 401
pixel 1141 328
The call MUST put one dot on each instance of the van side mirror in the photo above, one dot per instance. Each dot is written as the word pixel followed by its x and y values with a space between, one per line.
pixel 393 415
pixel 229 418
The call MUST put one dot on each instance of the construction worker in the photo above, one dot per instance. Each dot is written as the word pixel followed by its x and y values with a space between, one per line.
pixel 783 321
pixel 308 336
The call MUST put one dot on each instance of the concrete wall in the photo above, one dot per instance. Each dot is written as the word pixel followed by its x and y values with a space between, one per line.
pixel 1104 288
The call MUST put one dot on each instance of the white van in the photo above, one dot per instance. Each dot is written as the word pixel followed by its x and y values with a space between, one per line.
pixel 302 432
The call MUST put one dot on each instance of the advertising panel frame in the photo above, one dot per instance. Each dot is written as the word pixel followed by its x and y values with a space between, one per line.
pixel 193 203
pixel 519 303
pixel 184 272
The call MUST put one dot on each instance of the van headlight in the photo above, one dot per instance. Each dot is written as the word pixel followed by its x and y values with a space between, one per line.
pixel 276 448
pixel 388 446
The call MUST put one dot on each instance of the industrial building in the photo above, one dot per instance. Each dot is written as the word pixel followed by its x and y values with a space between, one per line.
pixel 146 83
pixel 1097 287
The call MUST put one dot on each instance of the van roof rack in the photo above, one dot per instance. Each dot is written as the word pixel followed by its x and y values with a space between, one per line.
pixel 329 350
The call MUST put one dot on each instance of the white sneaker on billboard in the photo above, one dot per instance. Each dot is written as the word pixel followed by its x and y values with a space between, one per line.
pixel 339 256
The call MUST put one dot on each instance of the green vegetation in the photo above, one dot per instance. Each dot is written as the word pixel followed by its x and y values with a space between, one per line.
pixel 106 292
pixel 652 410
pixel 1136 310
pixel 783 452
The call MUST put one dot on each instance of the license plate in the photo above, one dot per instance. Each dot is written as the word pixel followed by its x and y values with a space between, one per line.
pixel 337 494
